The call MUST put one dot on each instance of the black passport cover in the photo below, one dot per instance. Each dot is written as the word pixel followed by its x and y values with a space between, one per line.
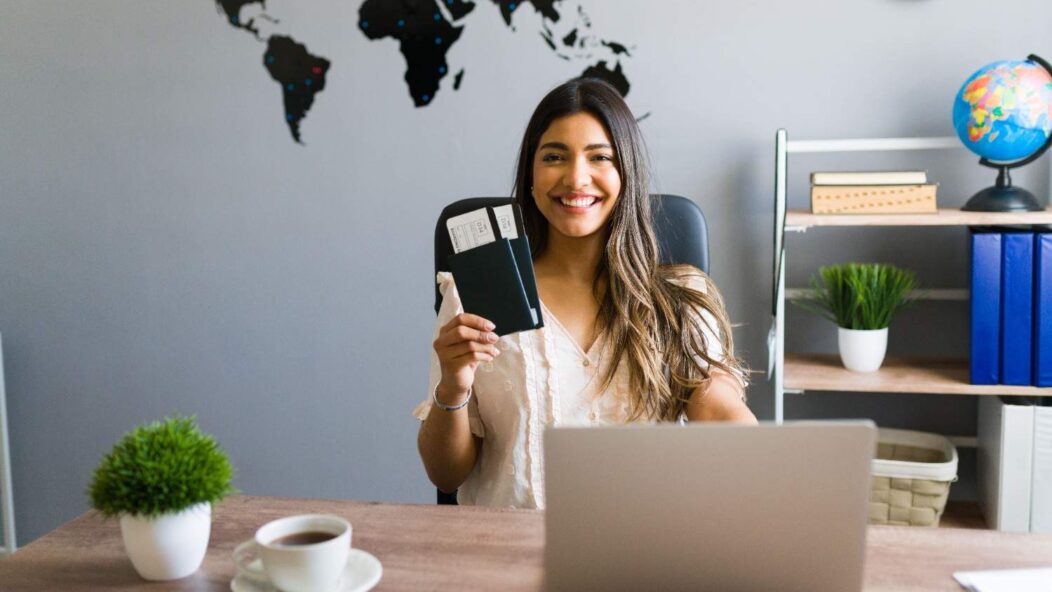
pixel 491 286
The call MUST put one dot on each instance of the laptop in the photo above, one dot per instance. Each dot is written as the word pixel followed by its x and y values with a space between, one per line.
pixel 708 506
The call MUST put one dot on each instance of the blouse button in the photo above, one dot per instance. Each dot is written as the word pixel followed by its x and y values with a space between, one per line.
pixel 586 362
pixel 592 416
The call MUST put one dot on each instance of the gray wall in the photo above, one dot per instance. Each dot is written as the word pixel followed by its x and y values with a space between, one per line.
pixel 165 247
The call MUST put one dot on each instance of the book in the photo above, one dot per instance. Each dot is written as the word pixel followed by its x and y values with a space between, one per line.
pixel 869 178
pixel 1041 473
pixel 1042 364
pixel 494 276
pixel 1017 297
pixel 1004 461
pixel 873 199
pixel 985 330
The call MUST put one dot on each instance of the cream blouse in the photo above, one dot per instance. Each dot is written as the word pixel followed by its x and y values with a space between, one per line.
pixel 542 378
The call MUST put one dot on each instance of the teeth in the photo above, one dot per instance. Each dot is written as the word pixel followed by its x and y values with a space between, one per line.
pixel 582 202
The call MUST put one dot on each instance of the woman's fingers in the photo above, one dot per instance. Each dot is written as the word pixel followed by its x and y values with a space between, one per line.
pixel 463 334
pixel 470 320
pixel 458 333
pixel 475 356
pixel 456 350
pixel 465 340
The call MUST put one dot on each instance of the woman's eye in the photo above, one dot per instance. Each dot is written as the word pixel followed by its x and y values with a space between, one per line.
pixel 550 158
pixel 604 157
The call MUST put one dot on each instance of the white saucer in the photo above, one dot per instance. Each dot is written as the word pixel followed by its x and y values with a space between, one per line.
pixel 363 572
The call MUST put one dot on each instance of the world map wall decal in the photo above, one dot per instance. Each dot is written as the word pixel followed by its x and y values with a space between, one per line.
pixel 425 31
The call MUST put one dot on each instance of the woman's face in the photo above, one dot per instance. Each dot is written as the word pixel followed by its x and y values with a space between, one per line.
pixel 575 178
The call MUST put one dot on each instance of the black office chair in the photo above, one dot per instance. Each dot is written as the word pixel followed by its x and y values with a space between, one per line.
pixel 682 235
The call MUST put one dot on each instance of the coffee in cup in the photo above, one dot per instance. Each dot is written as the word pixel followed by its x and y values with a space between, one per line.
pixel 302 538
pixel 306 553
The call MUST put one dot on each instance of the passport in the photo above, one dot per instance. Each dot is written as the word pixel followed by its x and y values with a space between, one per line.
pixel 494 276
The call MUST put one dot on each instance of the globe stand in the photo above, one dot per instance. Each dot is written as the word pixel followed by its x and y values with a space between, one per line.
pixel 1004 197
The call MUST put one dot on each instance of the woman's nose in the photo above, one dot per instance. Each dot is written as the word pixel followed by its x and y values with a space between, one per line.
pixel 578 175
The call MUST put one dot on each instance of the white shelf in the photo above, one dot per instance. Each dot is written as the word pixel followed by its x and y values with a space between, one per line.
pixel 933 376
pixel 798 220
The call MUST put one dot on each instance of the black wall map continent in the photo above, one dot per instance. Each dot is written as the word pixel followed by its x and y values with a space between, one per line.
pixel 232 9
pixel 425 31
pixel 300 74
pixel 423 34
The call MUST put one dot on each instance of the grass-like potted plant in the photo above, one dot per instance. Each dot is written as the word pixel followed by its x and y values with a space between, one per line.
pixel 861 298
pixel 161 479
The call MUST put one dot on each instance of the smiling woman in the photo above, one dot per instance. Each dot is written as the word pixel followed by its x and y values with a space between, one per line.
pixel 575 178
pixel 627 339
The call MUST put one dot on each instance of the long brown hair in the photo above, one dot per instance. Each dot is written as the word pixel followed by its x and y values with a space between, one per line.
pixel 653 321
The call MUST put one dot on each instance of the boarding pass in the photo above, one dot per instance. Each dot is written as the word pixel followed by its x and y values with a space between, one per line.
pixel 474 228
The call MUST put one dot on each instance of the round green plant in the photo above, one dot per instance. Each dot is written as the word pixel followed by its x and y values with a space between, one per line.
pixel 161 467
pixel 860 295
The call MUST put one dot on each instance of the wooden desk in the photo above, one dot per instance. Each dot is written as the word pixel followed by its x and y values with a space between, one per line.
pixel 460 548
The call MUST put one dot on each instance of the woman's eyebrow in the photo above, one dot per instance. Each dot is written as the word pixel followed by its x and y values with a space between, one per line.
pixel 561 146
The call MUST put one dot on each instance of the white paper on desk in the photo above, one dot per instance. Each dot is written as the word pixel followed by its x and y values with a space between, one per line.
pixel 470 230
pixel 1006 580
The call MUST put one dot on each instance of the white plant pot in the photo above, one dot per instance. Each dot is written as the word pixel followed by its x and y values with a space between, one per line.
pixel 169 546
pixel 862 350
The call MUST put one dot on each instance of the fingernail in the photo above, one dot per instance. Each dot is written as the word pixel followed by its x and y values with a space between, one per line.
pixel 491 337
pixel 489 326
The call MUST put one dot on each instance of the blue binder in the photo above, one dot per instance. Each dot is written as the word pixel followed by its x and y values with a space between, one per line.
pixel 985 344
pixel 1017 301
pixel 1043 309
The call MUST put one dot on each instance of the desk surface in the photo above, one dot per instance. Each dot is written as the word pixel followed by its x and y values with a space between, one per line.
pixel 445 547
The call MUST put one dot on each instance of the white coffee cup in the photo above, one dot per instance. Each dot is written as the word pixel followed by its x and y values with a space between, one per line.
pixel 292 559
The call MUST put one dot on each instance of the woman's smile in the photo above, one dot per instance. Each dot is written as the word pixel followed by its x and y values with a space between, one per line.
pixel 578 203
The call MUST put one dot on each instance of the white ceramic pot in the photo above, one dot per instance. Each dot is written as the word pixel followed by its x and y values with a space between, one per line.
pixel 862 350
pixel 169 546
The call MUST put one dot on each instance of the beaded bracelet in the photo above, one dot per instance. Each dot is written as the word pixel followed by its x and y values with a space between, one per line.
pixel 444 407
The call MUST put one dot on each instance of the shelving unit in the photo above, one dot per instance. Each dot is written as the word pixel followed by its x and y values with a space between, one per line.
pixel 797 373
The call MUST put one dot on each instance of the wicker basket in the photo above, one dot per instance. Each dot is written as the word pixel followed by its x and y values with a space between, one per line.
pixel 912 473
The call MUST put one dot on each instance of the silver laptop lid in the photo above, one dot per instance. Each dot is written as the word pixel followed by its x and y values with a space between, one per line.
pixel 708 506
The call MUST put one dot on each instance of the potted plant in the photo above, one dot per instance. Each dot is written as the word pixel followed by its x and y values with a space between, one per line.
pixel 861 298
pixel 161 479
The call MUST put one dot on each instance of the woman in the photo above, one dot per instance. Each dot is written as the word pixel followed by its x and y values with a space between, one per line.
pixel 625 339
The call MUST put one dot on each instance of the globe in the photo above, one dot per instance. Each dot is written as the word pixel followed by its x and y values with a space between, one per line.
pixel 1003 113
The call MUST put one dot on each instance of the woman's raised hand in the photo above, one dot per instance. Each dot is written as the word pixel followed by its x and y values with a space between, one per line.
pixel 462 344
